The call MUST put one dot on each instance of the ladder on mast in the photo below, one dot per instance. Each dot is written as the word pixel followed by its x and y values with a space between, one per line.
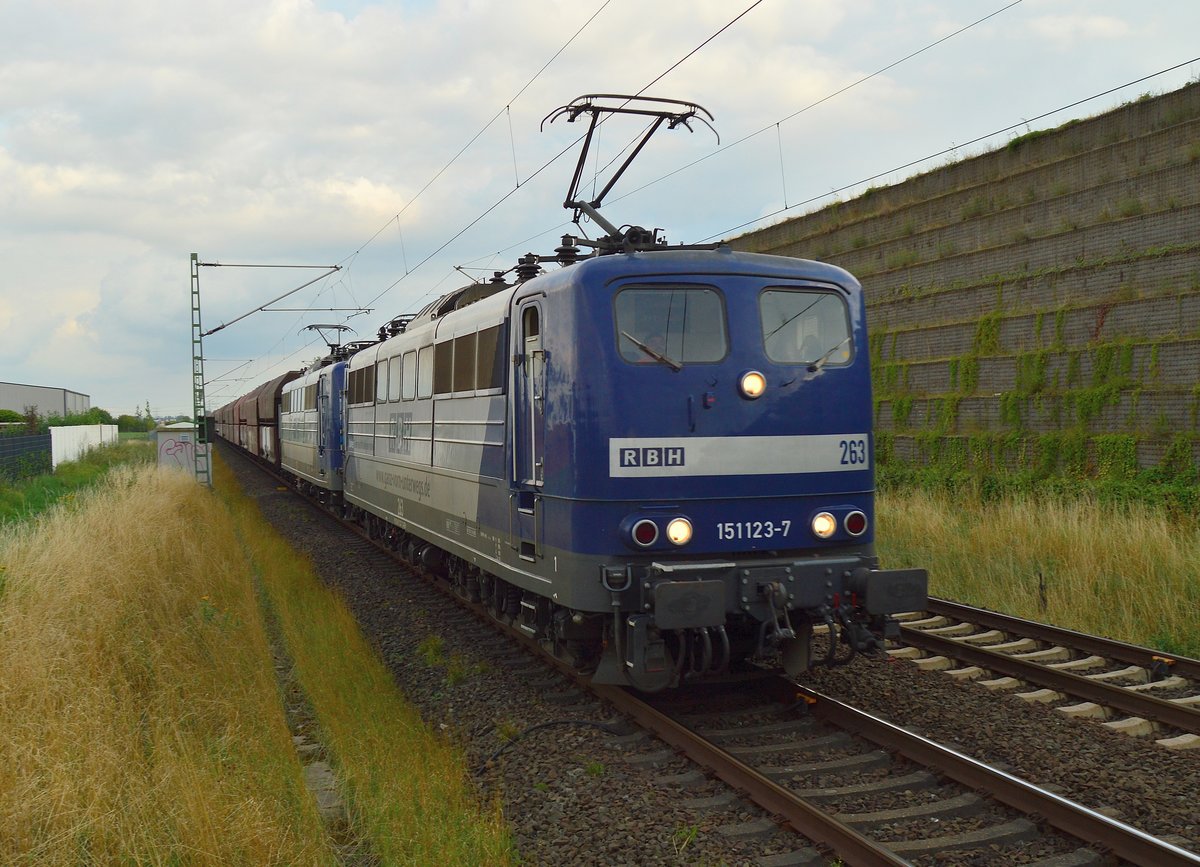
pixel 203 464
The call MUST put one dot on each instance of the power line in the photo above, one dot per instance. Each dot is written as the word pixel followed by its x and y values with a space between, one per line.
pixel 951 149
pixel 782 120
pixel 685 57
pixel 557 156
pixel 823 99
pixel 396 218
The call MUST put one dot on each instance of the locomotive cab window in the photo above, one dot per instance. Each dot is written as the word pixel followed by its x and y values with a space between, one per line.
pixel 805 326
pixel 670 325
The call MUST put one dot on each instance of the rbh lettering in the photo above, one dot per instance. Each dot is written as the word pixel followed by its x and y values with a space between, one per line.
pixel 669 456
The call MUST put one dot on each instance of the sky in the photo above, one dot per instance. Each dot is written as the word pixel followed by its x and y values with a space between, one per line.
pixel 401 139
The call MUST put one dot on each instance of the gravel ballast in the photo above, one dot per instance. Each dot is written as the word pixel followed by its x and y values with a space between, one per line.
pixel 584 788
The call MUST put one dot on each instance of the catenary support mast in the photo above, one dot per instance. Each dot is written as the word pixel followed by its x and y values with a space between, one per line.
pixel 203 461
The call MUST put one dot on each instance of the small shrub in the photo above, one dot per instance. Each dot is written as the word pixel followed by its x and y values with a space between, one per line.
pixel 684 837
pixel 432 649
pixel 1130 207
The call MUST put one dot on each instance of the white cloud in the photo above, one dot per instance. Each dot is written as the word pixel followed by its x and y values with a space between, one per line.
pixel 293 131
pixel 1065 31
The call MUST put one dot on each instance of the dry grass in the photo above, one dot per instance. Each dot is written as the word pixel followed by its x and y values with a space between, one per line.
pixel 1129 573
pixel 139 712
pixel 408 790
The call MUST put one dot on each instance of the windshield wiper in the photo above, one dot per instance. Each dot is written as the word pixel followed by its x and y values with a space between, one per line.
pixel 816 365
pixel 653 353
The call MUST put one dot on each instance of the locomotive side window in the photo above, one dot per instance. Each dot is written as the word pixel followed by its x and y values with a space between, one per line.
pixel 464 362
pixel 670 324
pixel 443 367
pixel 362 385
pixel 425 372
pixel 408 376
pixel 394 378
pixel 805 326
pixel 489 365
pixel 381 382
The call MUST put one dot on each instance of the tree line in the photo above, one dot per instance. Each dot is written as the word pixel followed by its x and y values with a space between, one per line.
pixel 33 422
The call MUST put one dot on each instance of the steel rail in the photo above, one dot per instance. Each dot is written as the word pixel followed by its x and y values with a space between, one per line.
pixel 1135 703
pixel 794 812
pixel 799 815
pixel 1070 818
pixel 1119 650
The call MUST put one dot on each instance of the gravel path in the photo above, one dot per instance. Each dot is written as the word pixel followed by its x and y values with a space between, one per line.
pixel 576 794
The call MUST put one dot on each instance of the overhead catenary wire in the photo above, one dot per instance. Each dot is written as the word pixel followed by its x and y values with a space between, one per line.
pixel 776 124
pixel 820 101
pixel 559 155
pixel 506 108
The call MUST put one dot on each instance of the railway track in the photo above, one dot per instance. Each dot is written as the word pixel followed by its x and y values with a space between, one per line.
pixel 859 788
pixel 1130 689
pixel 938 786
pixel 783 744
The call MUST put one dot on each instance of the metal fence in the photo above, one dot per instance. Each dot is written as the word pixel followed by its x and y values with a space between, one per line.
pixel 23 456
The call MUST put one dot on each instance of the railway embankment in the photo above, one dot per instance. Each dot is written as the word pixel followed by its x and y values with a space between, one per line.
pixel 141 698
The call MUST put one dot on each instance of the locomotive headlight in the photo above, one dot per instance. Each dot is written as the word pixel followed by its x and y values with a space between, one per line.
pixel 679 531
pixel 752 384
pixel 824 525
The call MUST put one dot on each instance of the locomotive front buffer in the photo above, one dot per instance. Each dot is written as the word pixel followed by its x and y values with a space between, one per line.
pixel 679 621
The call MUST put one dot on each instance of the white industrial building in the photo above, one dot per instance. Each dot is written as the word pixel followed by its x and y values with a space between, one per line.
pixel 49 401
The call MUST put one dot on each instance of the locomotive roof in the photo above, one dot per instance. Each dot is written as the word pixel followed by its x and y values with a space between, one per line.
pixel 723 260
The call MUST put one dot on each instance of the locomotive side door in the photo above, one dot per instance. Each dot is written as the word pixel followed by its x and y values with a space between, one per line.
pixel 324 423
pixel 528 435
pixel 530 376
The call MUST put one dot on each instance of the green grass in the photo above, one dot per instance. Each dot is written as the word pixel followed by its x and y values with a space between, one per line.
pixel 408 790
pixel 23 499
pixel 1123 570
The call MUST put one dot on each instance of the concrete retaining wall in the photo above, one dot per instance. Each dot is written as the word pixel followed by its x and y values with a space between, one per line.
pixel 1039 303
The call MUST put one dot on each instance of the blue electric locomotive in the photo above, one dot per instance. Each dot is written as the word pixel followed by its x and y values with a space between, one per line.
pixel 656 461
pixel 310 429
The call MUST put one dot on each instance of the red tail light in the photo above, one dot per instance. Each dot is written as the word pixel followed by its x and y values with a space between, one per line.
pixel 855 523
pixel 645 533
